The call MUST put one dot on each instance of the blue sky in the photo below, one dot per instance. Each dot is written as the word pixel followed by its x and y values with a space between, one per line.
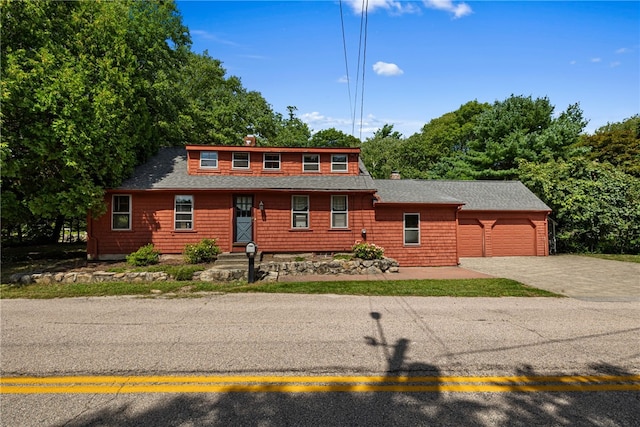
pixel 424 58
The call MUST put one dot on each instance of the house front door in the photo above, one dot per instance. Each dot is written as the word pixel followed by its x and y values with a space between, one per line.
pixel 243 227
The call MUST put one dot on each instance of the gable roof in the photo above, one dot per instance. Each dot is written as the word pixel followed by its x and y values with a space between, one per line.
pixel 167 170
pixel 476 195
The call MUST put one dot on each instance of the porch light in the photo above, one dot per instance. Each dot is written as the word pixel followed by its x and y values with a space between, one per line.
pixel 261 206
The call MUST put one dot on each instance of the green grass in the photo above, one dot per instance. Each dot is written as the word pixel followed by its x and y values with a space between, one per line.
pixel 454 288
pixel 615 257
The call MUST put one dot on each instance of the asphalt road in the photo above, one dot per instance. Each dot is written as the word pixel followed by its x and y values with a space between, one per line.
pixel 525 339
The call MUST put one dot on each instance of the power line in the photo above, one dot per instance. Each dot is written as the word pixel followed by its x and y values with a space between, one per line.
pixel 346 61
pixel 362 54
pixel 364 61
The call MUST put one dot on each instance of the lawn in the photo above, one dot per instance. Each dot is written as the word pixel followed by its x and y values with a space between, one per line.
pixel 455 288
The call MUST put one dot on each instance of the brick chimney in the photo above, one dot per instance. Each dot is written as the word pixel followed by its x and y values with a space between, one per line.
pixel 395 175
pixel 250 141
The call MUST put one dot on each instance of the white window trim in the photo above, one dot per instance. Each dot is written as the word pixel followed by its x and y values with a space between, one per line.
pixel 345 163
pixel 307 163
pixel 345 212
pixel 264 161
pixel 206 166
pixel 294 212
pixel 405 229
pixel 175 213
pixel 233 160
pixel 113 212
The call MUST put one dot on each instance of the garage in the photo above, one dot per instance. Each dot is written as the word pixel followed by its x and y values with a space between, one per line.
pixel 470 238
pixel 513 237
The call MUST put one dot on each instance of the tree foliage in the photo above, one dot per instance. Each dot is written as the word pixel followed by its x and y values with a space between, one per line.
pixel 380 152
pixel 333 138
pixel 84 88
pixel 290 131
pixel 520 128
pixel 215 109
pixel 618 144
pixel 597 206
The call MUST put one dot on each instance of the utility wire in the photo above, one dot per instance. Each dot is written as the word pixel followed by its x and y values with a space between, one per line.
pixel 346 62
pixel 364 61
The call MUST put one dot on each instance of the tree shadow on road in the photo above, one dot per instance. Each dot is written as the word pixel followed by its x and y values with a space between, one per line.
pixel 387 408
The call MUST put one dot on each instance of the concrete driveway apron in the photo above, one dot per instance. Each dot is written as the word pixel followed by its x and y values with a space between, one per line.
pixel 583 278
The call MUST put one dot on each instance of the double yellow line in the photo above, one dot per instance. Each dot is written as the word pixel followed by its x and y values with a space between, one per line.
pixel 314 384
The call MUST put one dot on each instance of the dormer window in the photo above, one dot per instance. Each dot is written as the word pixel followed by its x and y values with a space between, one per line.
pixel 311 163
pixel 271 161
pixel 209 159
pixel 240 161
pixel 339 163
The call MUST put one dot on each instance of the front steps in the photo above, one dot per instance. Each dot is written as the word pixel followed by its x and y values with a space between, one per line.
pixel 235 261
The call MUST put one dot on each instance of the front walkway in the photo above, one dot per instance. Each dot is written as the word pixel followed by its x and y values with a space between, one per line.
pixel 577 277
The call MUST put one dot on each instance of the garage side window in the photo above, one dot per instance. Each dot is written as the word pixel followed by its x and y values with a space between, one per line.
pixel 300 211
pixel 184 213
pixel 121 212
pixel 411 229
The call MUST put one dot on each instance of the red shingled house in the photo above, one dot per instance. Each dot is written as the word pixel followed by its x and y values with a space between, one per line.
pixel 312 200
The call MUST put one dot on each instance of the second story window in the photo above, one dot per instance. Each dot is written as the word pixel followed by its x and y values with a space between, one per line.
pixel 339 163
pixel 310 163
pixel 240 161
pixel 209 159
pixel 271 161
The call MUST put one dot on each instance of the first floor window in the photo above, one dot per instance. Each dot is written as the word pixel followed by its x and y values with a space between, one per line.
pixel 339 211
pixel 121 212
pixel 411 229
pixel 184 213
pixel 300 211
pixel 209 159
pixel 240 161
pixel 311 163
pixel 339 163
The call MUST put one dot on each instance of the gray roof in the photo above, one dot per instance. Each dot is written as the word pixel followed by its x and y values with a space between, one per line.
pixel 168 170
pixel 412 191
pixel 476 195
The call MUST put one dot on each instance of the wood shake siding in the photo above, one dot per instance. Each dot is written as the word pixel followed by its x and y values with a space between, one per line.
pixel 437 245
pixel 456 218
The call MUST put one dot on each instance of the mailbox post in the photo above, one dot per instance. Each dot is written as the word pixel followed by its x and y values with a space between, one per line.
pixel 251 249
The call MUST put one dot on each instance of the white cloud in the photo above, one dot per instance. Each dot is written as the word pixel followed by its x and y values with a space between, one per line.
pixel 206 35
pixel 623 50
pixel 574 62
pixel 459 10
pixel 615 64
pixel 343 79
pixel 596 59
pixel 387 69
pixel 393 6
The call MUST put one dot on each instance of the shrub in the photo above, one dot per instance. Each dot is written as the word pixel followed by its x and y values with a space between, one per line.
pixel 146 255
pixel 365 250
pixel 204 251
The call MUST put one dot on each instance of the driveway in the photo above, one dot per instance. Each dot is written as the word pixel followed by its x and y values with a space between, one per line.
pixel 577 277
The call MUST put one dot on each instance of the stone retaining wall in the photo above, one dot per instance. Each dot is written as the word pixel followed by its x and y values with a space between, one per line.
pixel 266 272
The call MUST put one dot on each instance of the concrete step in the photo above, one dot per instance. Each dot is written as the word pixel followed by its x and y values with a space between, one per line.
pixel 232 261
